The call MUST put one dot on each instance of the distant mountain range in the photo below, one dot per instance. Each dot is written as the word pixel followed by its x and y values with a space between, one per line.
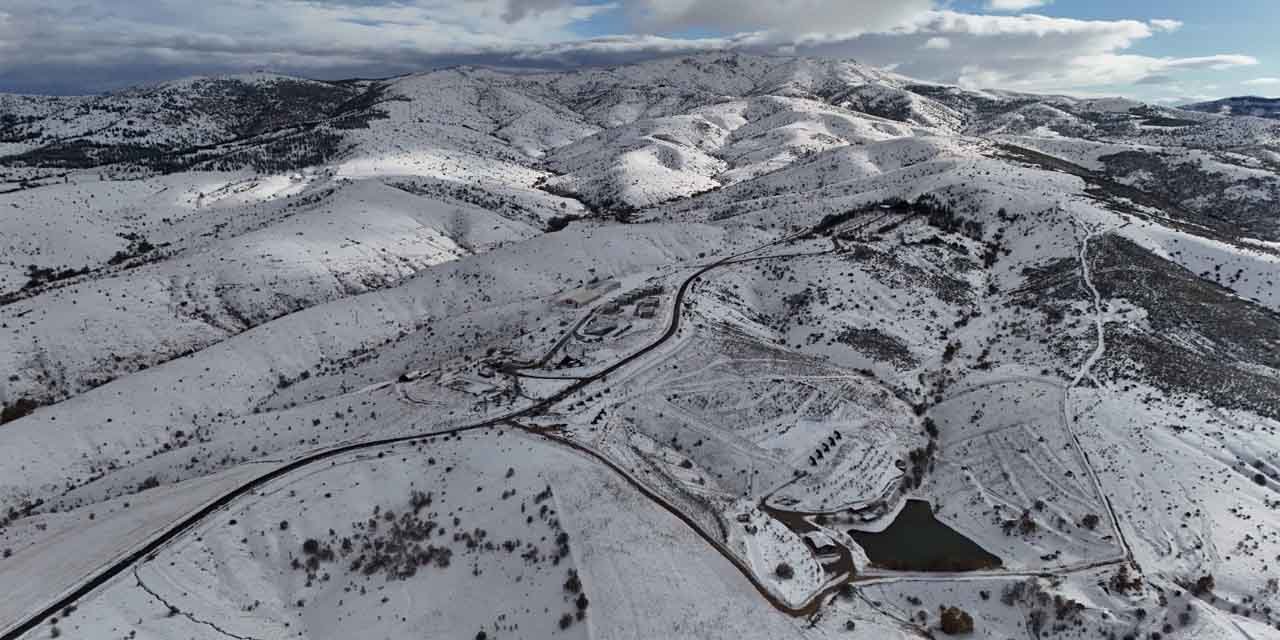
pixel 1240 106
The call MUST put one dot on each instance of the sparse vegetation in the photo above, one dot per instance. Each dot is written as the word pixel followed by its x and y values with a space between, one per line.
pixel 955 621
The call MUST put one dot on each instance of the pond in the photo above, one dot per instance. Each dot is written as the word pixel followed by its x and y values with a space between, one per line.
pixel 917 541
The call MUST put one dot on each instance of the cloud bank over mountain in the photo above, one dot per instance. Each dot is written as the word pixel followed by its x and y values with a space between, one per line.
pixel 66 46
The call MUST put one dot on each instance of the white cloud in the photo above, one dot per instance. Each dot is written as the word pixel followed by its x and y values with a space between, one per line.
pixel 1014 5
pixel 1026 52
pixel 1217 62
pixel 1182 98
pixel 937 42
pixel 1162 24
pixel 1262 82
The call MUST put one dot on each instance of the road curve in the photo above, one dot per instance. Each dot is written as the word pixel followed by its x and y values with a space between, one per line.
pixel 73 595
pixel 810 606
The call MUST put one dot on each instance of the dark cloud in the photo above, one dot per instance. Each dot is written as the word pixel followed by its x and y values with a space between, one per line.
pixel 1156 80
pixel 792 17
pixel 518 10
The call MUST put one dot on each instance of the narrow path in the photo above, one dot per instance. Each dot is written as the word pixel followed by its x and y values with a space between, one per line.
pixel 174 611
pixel 1085 370
pixel 1098 322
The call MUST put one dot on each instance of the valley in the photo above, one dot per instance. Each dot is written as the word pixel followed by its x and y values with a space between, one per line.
pixel 708 346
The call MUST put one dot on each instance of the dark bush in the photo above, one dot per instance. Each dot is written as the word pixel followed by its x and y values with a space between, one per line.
pixel 20 408
pixel 784 571
pixel 956 621
pixel 949 353
pixel 931 427
pixel 573 584
pixel 558 223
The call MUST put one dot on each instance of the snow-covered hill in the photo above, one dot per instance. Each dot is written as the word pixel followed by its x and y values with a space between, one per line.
pixel 1255 106
pixel 655 350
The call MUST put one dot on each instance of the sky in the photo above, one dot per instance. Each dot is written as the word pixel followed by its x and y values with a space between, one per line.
pixel 1169 52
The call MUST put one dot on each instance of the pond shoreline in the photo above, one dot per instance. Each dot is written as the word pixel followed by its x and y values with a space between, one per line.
pixel 918 541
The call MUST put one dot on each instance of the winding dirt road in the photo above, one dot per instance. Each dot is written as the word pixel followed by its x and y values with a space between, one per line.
pixel 126 563
pixel 123 564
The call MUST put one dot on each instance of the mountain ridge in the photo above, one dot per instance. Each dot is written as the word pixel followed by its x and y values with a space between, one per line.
pixel 525 345
pixel 1256 106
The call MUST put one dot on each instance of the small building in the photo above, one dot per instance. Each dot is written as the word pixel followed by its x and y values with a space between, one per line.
pixel 647 308
pixel 583 296
pixel 579 298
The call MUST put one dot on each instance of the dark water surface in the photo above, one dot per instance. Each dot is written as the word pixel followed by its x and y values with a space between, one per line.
pixel 917 541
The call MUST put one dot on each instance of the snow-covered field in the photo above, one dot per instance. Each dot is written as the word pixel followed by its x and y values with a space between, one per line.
pixel 658 342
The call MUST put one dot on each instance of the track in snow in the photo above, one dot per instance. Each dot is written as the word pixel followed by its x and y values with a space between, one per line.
pixel 811 606
pixel 121 565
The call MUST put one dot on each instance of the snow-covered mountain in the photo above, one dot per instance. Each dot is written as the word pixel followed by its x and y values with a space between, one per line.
pixel 673 349
pixel 1255 106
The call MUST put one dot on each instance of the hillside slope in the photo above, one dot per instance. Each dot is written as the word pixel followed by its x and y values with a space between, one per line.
pixel 1254 106
pixel 674 349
